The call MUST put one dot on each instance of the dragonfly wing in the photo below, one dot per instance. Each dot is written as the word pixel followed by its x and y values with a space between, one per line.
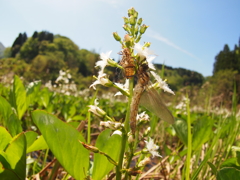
pixel 151 100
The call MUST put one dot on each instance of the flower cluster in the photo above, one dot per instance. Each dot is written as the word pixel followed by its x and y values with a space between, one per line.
pixel 136 61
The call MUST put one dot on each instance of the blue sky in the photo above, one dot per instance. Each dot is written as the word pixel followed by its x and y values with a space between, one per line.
pixel 185 33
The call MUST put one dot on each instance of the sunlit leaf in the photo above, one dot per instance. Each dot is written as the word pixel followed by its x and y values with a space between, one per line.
pixel 14 158
pixel 18 97
pixel 111 145
pixel 63 140
pixel 9 118
pixel 30 137
pixel 5 138
pixel 38 144
pixel 202 131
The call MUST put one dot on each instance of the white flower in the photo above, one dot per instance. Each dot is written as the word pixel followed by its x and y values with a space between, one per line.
pixel 104 61
pixel 142 117
pixel 62 73
pixel 144 52
pixel 117 132
pixel 111 125
pixel 162 84
pixel 152 148
pixel 101 79
pixel 124 87
pixel 96 110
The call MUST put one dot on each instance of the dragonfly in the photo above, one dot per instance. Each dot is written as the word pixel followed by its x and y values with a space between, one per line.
pixel 143 94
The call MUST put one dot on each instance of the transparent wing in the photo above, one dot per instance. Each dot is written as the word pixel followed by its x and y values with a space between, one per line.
pixel 152 101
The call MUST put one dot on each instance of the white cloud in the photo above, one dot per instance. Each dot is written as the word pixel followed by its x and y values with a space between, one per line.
pixel 157 36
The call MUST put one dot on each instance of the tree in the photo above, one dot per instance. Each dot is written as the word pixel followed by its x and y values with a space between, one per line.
pixel 226 59
pixel 19 41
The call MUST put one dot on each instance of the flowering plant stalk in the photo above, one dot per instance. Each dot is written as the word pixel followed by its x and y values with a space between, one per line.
pixel 136 62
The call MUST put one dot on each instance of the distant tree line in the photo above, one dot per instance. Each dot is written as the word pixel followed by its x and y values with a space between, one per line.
pixel 44 54
pixel 228 59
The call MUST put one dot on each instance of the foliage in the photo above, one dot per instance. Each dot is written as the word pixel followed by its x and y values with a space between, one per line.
pixel 227 59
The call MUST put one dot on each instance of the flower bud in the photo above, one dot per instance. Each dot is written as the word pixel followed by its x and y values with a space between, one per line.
pixel 132 20
pixel 116 36
pixel 136 30
pixel 89 147
pixel 113 63
pixel 138 39
pixel 131 11
pixel 126 21
pixel 139 22
pixel 135 14
pixel 147 44
pixel 143 29
pixel 126 28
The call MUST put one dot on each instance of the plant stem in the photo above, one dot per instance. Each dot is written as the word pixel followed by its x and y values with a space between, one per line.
pixel 125 132
pixel 189 149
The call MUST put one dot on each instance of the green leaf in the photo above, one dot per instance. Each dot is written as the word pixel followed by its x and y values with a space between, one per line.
pixel 202 131
pixel 9 118
pixel 38 144
pixel 110 145
pixel 14 158
pixel 18 97
pixel 30 137
pixel 180 127
pixel 5 110
pixel 5 138
pixel 214 169
pixel 63 140
pixel 228 173
pixel 14 125
pixel 32 91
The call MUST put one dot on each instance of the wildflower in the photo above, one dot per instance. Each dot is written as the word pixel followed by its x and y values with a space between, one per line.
pixel 117 132
pixel 152 148
pixel 147 131
pixel 144 52
pixel 96 110
pixel 63 76
pixel 101 79
pixel 122 87
pixel 142 117
pixel 111 125
pixel 106 61
pixel 162 84
pixel 130 138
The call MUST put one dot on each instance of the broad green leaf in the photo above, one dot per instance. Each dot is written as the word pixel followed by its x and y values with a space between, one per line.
pixel 180 127
pixel 202 131
pixel 31 136
pixel 45 97
pixel 110 145
pixel 14 125
pixel 5 110
pixel 18 97
pixel 15 158
pixel 32 90
pixel 5 138
pixel 38 144
pixel 9 119
pixel 7 174
pixel 63 140
pixel 228 173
